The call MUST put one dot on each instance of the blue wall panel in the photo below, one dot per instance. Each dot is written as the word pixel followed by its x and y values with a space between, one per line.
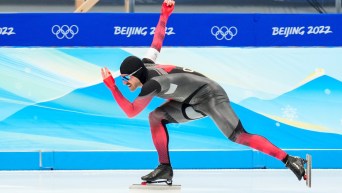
pixel 19 161
pixel 103 160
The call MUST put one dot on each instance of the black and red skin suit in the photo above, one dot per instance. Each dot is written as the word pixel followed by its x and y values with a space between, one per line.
pixel 189 94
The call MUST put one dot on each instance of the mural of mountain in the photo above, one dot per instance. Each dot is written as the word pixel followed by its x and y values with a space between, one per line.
pixel 110 57
pixel 67 107
pixel 283 135
pixel 34 75
pixel 10 102
pixel 317 102
pixel 91 115
pixel 96 100
pixel 77 122
pixel 43 78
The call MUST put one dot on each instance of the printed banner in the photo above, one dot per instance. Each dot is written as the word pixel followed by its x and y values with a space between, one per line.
pixel 123 29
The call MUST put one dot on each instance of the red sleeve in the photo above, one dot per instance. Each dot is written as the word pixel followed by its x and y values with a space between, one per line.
pixel 159 33
pixel 131 109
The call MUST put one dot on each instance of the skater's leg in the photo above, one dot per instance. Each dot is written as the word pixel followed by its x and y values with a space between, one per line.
pixel 295 164
pixel 230 125
pixel 170 112
pixel 217 106
pixel 257 142
pixel 160 135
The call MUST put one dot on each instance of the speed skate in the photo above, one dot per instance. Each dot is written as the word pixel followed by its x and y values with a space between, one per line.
pixel 156 185
pixel 160 179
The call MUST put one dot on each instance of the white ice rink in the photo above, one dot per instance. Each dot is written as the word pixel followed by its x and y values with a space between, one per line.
pixel 192 181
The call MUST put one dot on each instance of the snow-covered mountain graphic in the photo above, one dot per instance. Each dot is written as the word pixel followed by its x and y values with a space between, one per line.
pixel 54 99
pixel 10 102
pixel 34 75
pixel 89 119
pixel 89 115
pixel 315 105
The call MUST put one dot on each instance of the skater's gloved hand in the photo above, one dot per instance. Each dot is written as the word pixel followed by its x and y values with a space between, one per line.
pixel 107 78
pixel 167 7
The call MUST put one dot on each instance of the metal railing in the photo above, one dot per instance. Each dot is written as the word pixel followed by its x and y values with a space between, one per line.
pixel 129 6
pixel 338 6
pixel 86 5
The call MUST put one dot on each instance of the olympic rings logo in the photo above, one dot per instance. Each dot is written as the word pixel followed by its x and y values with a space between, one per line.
pixel 64 31
pixel 224 32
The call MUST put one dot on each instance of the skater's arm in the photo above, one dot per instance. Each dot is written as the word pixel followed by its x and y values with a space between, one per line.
pixel 130 109
pixel 159 33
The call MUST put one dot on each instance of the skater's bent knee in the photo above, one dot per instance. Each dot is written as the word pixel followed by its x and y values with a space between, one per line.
pixel 156 114
pixel 237 131
pixel 159 115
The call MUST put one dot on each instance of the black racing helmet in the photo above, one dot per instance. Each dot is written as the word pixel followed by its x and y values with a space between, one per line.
pixel 132 64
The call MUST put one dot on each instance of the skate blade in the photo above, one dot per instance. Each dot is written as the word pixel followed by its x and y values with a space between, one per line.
pixel 149 186
pixel 308 175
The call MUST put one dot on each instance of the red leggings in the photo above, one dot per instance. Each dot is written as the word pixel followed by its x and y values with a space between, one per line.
pixel 158 120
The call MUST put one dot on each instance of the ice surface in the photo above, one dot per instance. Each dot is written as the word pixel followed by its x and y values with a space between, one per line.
pixel 191 181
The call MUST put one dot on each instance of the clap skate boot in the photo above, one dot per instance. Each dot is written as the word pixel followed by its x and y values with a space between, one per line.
pixel 296 165
pixel 163 173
